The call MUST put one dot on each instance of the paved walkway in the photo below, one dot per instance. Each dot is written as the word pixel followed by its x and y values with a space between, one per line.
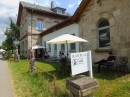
pixel 5 82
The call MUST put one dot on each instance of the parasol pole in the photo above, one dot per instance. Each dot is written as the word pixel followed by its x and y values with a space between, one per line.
pixel 67 48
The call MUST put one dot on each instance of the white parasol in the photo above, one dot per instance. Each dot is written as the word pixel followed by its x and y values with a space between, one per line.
pixel 65 39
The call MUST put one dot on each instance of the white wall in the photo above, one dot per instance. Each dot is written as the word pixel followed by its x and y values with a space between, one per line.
pixel 71 29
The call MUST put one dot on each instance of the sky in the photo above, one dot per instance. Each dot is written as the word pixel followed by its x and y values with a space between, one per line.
pixel 9 8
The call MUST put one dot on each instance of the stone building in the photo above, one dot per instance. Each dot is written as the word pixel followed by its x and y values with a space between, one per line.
pixel 34 19
pixel 105 24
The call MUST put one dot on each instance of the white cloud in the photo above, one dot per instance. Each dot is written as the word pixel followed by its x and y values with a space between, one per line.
pixel 57 3
pixel 45 3
pixel 3 10
pixel 9 3
pixel 71 5
pixel 9 8
pixel 2 31
pixel 2 36
pixel 79 2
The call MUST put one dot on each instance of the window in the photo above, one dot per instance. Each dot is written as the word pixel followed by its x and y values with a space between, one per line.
pixel 62 46
pixel 44 43
pixel 104 34
pixel 40 24
pixel 49 47
pixel 72 45
pixel 55 47
pixel 59 11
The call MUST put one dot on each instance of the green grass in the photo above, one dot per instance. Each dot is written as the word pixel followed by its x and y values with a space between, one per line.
pixel 40 84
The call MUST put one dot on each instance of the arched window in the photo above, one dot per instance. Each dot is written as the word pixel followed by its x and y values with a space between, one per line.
pixel 104 34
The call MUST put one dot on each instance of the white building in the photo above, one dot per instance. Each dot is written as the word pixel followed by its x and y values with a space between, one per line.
pixel 66 26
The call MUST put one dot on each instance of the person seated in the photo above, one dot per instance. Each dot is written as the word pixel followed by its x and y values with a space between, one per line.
pixel 43 56
pixel 63 57
pixel 110 60
pixel 46 55
pixel 60 57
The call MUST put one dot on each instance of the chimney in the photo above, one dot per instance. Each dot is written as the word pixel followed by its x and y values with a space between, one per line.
pixel 52 4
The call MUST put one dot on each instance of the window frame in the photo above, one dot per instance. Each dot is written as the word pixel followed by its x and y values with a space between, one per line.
pixel 59 11
pixel 72 43
pixel 64 47
pixel 71 46
pixel 102 28
pixel 40 24
pixel 55 47
pixel 49 47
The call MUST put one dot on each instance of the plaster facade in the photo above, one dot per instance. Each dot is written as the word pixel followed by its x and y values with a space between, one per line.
pixel 71 29
pixel 29 35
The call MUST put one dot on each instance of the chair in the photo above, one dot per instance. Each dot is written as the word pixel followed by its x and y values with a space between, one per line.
pixel 109 65
pixel 122 65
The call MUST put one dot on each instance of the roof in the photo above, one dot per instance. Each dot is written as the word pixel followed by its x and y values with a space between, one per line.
pixel 82 7
pixel 58 8
pixel 37 9
pixel 57 26
pixel 26 4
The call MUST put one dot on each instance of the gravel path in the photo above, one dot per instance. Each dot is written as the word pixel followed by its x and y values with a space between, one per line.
pixel 5 82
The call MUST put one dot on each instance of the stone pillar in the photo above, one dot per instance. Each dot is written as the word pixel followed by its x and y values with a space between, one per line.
pixel 81 86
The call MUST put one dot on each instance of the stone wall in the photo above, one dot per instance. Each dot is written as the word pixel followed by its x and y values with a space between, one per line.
pixel 118 14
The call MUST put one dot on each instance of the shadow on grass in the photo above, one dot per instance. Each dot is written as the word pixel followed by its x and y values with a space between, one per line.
pixel 110 75
pixel 65 74
pixel 58 75
pixel 56 72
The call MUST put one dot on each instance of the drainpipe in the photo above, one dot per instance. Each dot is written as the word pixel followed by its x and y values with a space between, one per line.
pixel 31 27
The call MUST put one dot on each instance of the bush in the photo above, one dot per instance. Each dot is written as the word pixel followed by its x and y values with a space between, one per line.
pixel 8 54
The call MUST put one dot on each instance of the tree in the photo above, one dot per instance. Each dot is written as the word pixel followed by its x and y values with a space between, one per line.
pixel 12 34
